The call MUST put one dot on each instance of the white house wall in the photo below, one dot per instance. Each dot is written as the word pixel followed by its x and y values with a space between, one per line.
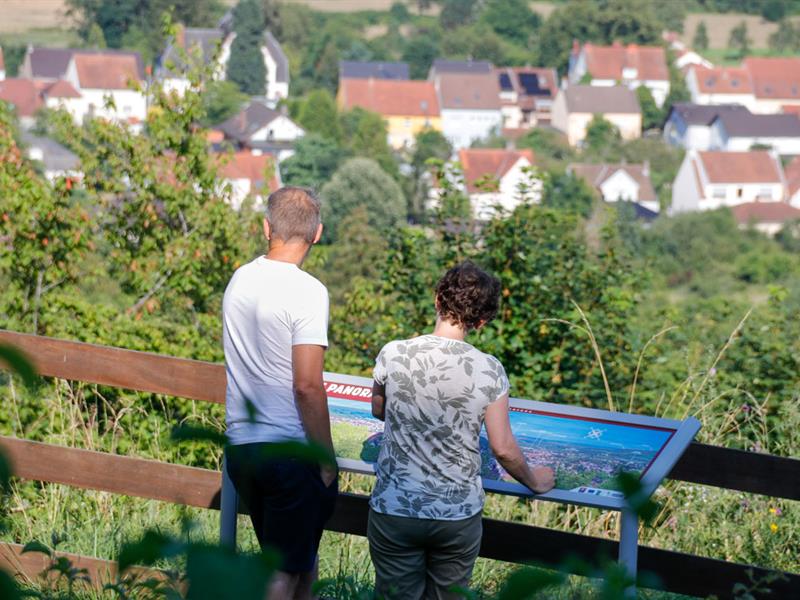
pixel 462 127
pixel 685 192
pixel 280 129
pixel 620 186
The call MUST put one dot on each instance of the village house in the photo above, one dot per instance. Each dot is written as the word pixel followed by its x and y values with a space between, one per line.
pixel 765 85
pixel 469 105
pixel 712 179
pixel 408 107
pixel 262 128
pixel 45 64
pixel 251 174
pixel 767 217
pixel 631 66
pixel 689 125
pixel 214 44
pixel 495 177
pixel 526 96
pixel 621 182
pixel 739 131
pixel 576 106
pixel 684 57
pixel 56 160
pixel 352 69
pixel 720 85
pixel 24 97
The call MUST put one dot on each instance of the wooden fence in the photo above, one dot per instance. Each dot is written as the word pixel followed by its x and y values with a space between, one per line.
pixel 145 372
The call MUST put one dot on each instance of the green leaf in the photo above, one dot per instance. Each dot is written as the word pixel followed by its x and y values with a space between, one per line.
pixel 219 573
pixel 8 587
pixel 17 362
pixel 5 473
pixel 308 452
pixel 151 547
pixel 527 582
pixel 36 546
pixel 184 433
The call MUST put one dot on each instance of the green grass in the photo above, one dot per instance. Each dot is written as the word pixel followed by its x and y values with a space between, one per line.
pixel 724 57
pixel 42 37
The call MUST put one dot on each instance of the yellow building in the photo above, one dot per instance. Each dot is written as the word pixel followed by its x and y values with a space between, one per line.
pixel 407 106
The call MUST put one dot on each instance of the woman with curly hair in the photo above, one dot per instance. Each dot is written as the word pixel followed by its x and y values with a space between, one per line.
pixel 434 393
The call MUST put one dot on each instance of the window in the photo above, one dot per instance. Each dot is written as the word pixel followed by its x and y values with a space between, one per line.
pixel 739 192
pixel 765 192
pixel 718 192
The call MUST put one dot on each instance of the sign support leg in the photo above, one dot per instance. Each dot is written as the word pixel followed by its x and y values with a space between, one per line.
pixel 229 509
pixel 629 546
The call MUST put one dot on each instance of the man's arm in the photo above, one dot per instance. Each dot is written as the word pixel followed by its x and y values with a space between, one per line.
pixel 506 450
pixel 378 400
pixel 312 401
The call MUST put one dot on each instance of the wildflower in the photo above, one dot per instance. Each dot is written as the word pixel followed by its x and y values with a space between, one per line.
pixel 773 527
pixel 745 408
pixel 773 510
pixel 712 371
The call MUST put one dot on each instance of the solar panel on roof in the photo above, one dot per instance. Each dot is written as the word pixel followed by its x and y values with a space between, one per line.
pixel 505 82
pixel 530 83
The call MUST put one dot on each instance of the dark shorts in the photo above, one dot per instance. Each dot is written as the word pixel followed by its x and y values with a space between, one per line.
pixel 422 558
pixel 287 500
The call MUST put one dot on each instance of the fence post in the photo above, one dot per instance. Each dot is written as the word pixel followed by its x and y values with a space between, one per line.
pixel 629 546
pixel 229 508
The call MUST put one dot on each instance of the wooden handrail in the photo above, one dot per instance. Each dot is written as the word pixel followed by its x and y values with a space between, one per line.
pixel 703 464
pixel 510 542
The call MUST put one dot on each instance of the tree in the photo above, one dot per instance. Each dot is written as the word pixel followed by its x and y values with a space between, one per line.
pixel 360 182
pixel 95 39
pixel 246 64
pixel 739 40
pixel 399 12
pixel 429 144
pixel 319 115
pixel 419 54
pixel 550 147
pixel 455 13
pixel 601 135
pixel 221 100
pixel 44 233
pixel 172 238
pixel 700 40
pixel 652 116
pixel 575 20
pixel 774 10
pixel 565 191
pixel 786 38
pixel 511 19
pixel 365 135
pixel 313 163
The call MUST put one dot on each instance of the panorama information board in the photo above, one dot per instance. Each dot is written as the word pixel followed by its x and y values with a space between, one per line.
pixel 586 447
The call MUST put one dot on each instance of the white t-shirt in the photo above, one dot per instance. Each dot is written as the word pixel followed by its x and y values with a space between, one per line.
pixel 269 306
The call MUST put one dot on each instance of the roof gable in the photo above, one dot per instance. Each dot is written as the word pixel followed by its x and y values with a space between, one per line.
pixel 755 166
pixel 597 175
pixel 616 62
pixel 596 99
pixel 723 80
pixel 774 77
pixel 469 91
pixel 764 212
pixel 351 69
pixel 390 97
pixel 107 71
pixel 22 94
pixel 479 163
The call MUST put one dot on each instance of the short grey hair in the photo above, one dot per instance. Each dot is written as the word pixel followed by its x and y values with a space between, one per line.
pixel 293 213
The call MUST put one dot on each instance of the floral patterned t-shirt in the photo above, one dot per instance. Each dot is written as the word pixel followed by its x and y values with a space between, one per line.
pixel 437 391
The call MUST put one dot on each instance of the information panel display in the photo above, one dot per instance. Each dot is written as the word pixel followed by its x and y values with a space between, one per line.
pixel 588 448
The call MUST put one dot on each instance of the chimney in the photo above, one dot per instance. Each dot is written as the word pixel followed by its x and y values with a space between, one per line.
pixel 180 36
pixel 646 168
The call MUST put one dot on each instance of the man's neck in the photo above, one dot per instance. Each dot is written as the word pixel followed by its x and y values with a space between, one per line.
pixel 288 252
pixel 446 329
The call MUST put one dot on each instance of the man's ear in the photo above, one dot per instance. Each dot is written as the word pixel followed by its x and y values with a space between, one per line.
pixel 267 229
pixel 480 324
pixel 318 235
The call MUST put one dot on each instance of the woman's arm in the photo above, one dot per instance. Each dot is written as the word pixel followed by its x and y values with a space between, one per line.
pixel 506 450
pixel 378 400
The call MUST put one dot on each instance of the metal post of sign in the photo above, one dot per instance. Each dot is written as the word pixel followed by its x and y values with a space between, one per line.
pixel 629 546
pixel 229 508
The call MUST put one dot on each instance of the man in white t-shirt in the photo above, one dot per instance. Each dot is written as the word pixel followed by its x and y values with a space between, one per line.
pixel 275 332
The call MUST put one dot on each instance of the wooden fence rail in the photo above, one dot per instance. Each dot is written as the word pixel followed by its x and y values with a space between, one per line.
pixel 513 542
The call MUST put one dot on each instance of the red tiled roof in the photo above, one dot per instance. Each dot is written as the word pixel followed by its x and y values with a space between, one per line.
pixel 468 91
pixel 479 163
pixel 792 174
pixel 774 77
pixel 723 80
pixel 61 89
pixel 765 212
pixel 390 97
pixel 106 71
pixel 608 62
pixel 791 109
pixel 22 94
pixel 755 166
pixel 246 165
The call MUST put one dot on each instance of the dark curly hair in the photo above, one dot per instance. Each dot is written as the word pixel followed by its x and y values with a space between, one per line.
pixel 467 295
